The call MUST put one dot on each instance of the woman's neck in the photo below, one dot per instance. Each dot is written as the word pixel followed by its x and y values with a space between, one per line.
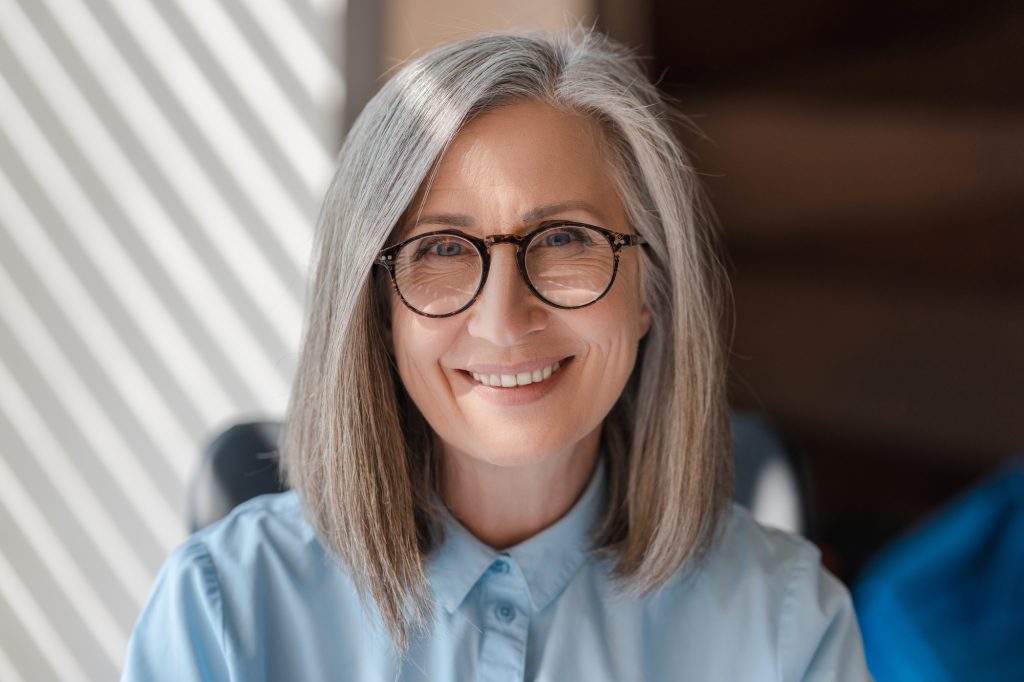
pixel 504 505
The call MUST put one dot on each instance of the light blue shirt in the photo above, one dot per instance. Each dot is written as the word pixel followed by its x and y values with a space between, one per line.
pixel 255 597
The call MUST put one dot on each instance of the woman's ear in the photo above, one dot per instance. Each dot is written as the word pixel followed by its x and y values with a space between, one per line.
pixel 645 320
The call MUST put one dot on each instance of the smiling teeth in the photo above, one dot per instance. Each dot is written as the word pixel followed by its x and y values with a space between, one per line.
pixel 521 379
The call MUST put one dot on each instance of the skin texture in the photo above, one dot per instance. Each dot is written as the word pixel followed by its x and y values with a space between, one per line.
pixel 509 471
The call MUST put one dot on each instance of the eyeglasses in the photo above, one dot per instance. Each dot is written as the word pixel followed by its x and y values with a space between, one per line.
pixel 565 264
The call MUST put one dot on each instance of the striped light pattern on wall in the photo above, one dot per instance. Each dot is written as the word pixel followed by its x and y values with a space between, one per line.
pixel 161 166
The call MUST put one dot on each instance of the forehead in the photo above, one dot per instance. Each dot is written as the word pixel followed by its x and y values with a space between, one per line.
pixel 506 164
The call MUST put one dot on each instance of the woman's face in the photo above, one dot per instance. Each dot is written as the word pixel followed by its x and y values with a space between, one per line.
pixel 507 171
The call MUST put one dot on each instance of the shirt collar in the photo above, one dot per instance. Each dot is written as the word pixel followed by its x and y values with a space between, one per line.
pixel 548 560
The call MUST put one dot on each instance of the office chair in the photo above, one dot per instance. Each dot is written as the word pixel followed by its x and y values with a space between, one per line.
pixel 239 464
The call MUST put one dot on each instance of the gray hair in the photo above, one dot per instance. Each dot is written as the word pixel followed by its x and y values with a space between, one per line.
pixel 355 447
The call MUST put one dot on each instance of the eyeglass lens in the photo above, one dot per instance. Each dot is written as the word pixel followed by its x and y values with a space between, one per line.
pixel 568 265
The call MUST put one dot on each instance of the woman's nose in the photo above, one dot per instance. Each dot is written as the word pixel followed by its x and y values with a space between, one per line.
pixel 506 312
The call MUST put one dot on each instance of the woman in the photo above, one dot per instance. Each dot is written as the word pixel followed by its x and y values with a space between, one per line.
pixel 507 438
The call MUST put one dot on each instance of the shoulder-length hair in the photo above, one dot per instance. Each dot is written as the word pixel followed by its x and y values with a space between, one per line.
pixel 356 448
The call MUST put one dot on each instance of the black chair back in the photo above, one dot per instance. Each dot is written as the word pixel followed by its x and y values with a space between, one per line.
pixel 239 464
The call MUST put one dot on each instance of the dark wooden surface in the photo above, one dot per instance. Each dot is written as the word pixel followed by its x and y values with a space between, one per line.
pixel 866 162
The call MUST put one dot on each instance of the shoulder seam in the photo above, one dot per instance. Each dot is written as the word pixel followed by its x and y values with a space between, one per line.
pixel 801 564
pixel 197 551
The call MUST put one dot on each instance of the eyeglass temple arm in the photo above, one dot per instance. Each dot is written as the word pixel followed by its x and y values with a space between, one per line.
pixel 623 240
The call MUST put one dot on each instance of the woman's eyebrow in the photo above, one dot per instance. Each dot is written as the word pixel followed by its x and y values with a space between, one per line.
pixel 531 216
pixel 546 210
pixel 450 219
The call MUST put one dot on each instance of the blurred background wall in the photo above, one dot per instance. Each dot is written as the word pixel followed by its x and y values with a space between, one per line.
pixel 864 160
pixel 161 166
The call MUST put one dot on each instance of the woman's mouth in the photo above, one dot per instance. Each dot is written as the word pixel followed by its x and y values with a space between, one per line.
pixel 521 379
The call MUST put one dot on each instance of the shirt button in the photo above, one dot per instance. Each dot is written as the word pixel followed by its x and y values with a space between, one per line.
pixel 505 613
pixel 500 566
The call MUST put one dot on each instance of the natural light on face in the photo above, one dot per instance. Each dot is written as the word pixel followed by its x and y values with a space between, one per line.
pixel 511 380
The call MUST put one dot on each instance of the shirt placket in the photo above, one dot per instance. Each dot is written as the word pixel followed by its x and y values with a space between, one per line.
pixel 506 622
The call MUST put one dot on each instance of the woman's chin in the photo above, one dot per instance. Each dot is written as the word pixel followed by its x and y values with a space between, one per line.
pixel 508 455
pixel 508 447
pixel 504 449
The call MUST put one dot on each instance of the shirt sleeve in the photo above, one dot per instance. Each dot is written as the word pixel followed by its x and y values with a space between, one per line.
pixel 180 633
pixel 819 636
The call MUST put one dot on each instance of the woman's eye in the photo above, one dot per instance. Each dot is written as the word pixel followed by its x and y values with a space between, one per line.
pixel 443 248
pixel 559 238
pixel 447 249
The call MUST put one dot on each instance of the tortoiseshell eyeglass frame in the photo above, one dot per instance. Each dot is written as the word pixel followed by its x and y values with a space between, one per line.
pixel 616 240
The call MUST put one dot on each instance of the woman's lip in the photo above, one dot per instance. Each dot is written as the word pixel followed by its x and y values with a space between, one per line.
pixel 514 395
pixel 530 366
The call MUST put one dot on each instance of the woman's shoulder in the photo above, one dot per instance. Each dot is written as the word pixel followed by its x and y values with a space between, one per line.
pixel 752 566
pixel 264 547
pixel 746 548
pixel 760 606
pixel 245 596
pixel 275 519
pixel 768 588
pixel 267 537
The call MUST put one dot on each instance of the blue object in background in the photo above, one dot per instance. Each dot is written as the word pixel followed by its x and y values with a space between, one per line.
pixel 947 601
